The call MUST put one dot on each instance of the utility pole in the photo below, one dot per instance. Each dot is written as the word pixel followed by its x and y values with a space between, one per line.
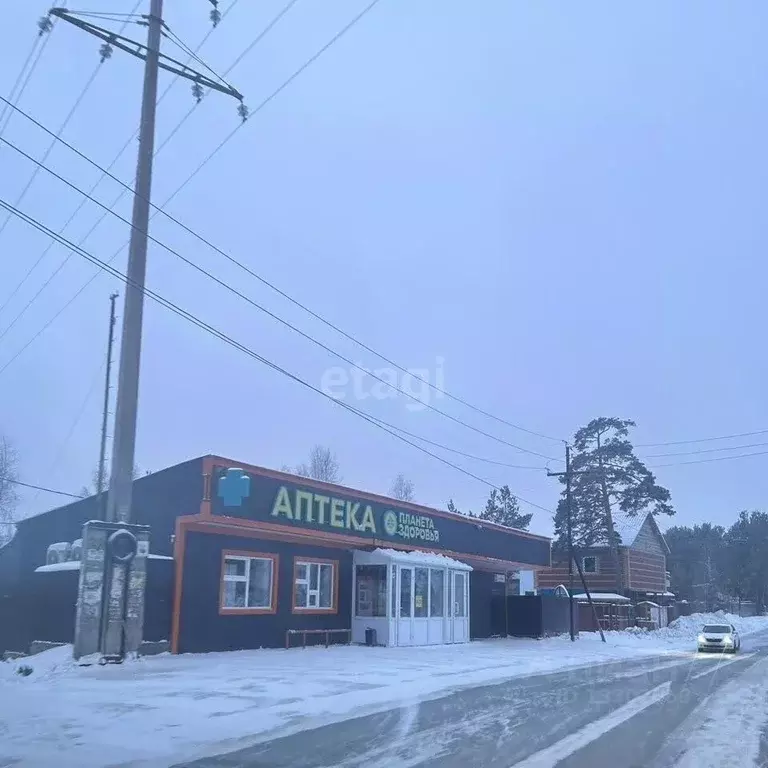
pixel 571 555
pixel 111 588
pixel 124 442
pixel 105 414
pixel 570 533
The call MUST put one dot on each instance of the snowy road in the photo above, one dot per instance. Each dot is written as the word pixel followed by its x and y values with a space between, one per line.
pixel 698 711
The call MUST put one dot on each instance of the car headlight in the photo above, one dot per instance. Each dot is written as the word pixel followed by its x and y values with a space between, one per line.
pixel 728 640
pixel 702 639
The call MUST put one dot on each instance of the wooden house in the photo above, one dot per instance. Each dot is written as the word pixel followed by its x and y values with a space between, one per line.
pixel 643 552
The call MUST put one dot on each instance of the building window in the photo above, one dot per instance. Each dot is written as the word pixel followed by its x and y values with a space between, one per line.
pixel 315 586
pixel 406 588
pixel 436 592
pixel 371 583
pixel 421 593
pixel 248 583
pixel 590 564
pixel 459 596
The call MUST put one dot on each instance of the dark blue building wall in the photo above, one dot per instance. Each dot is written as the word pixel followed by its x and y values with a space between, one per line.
pixel 203 629
pixel 158 499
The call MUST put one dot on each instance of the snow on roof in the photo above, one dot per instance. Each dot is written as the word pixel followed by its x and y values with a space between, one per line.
pixel 67 565
pixel 422 558
pixel 629 527
pixel 663 594
pixel 601 597
pixel 74 565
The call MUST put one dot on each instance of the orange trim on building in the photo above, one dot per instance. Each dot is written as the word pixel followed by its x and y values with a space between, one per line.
pixel 220 525
pixel 220 461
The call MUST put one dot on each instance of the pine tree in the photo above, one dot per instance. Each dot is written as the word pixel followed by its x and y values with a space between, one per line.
pixel 503 508
pixel 607 478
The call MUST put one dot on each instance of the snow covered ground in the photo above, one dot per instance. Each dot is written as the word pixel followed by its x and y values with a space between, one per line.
pixel 725 730
pixel 169 708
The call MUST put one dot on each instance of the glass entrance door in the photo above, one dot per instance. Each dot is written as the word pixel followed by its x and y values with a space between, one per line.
pixel 459 607
pixel 405 606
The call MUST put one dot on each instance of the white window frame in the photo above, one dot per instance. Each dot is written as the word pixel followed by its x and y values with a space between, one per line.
pixel 596 558
pixel 313 592
pixel 246 579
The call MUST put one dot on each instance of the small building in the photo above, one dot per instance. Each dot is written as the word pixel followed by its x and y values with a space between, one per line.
pixel 643 552
pixel 243 556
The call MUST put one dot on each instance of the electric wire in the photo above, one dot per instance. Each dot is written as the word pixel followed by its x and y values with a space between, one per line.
pixel 31 71
pixel 17 82
pixel 703 439
pixel 37 488
pixel 241 265
pixel 195 320
pixel 705 450
pixel 274 316
pixel 104 174
pixel 31 181
pixel 59 455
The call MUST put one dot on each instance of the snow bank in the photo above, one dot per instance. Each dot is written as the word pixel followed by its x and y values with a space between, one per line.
pixel 687 628
pixel 166 709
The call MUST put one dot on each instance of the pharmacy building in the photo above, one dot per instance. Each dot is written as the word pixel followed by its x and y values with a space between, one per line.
pixel 240 556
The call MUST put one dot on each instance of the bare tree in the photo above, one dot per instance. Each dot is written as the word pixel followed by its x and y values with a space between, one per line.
pixel 402 488
pixel 323 465
pixel 9 498
pixel 93 488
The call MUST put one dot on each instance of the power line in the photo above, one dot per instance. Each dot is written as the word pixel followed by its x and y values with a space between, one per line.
pixel 104 173
pixel 38 488
pixel 78 416
pixel 210 156
pixel 48 151
pixel 241 265
pixel 311 60
pixel 703 450
pixel 195 320
pixel 706 461
pixel 31 181
pixel 700 439
pixel 458 452
pixel 276 317
pixel 17 82
pixel 45 27
pixel 260 36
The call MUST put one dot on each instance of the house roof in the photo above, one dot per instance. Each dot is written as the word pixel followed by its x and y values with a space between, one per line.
pixel 628 529
pixel 601 597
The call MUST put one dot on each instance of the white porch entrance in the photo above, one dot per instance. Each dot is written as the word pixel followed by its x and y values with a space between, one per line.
pixel 410 598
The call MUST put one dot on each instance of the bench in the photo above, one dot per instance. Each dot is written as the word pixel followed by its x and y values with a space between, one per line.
pixel 326 632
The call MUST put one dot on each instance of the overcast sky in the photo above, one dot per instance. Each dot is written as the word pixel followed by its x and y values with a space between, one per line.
pixel 558 207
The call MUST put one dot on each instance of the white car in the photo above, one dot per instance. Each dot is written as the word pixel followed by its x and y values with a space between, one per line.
pixel 719 637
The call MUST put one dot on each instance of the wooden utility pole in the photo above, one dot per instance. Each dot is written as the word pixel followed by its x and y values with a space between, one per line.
pixel 105 414
pixel 571 550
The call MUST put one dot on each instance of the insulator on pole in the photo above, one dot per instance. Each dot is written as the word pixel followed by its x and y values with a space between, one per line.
pixel 105 51
pixel 215 13
pixel 44 24
pixel 242 110
pixel 197 92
